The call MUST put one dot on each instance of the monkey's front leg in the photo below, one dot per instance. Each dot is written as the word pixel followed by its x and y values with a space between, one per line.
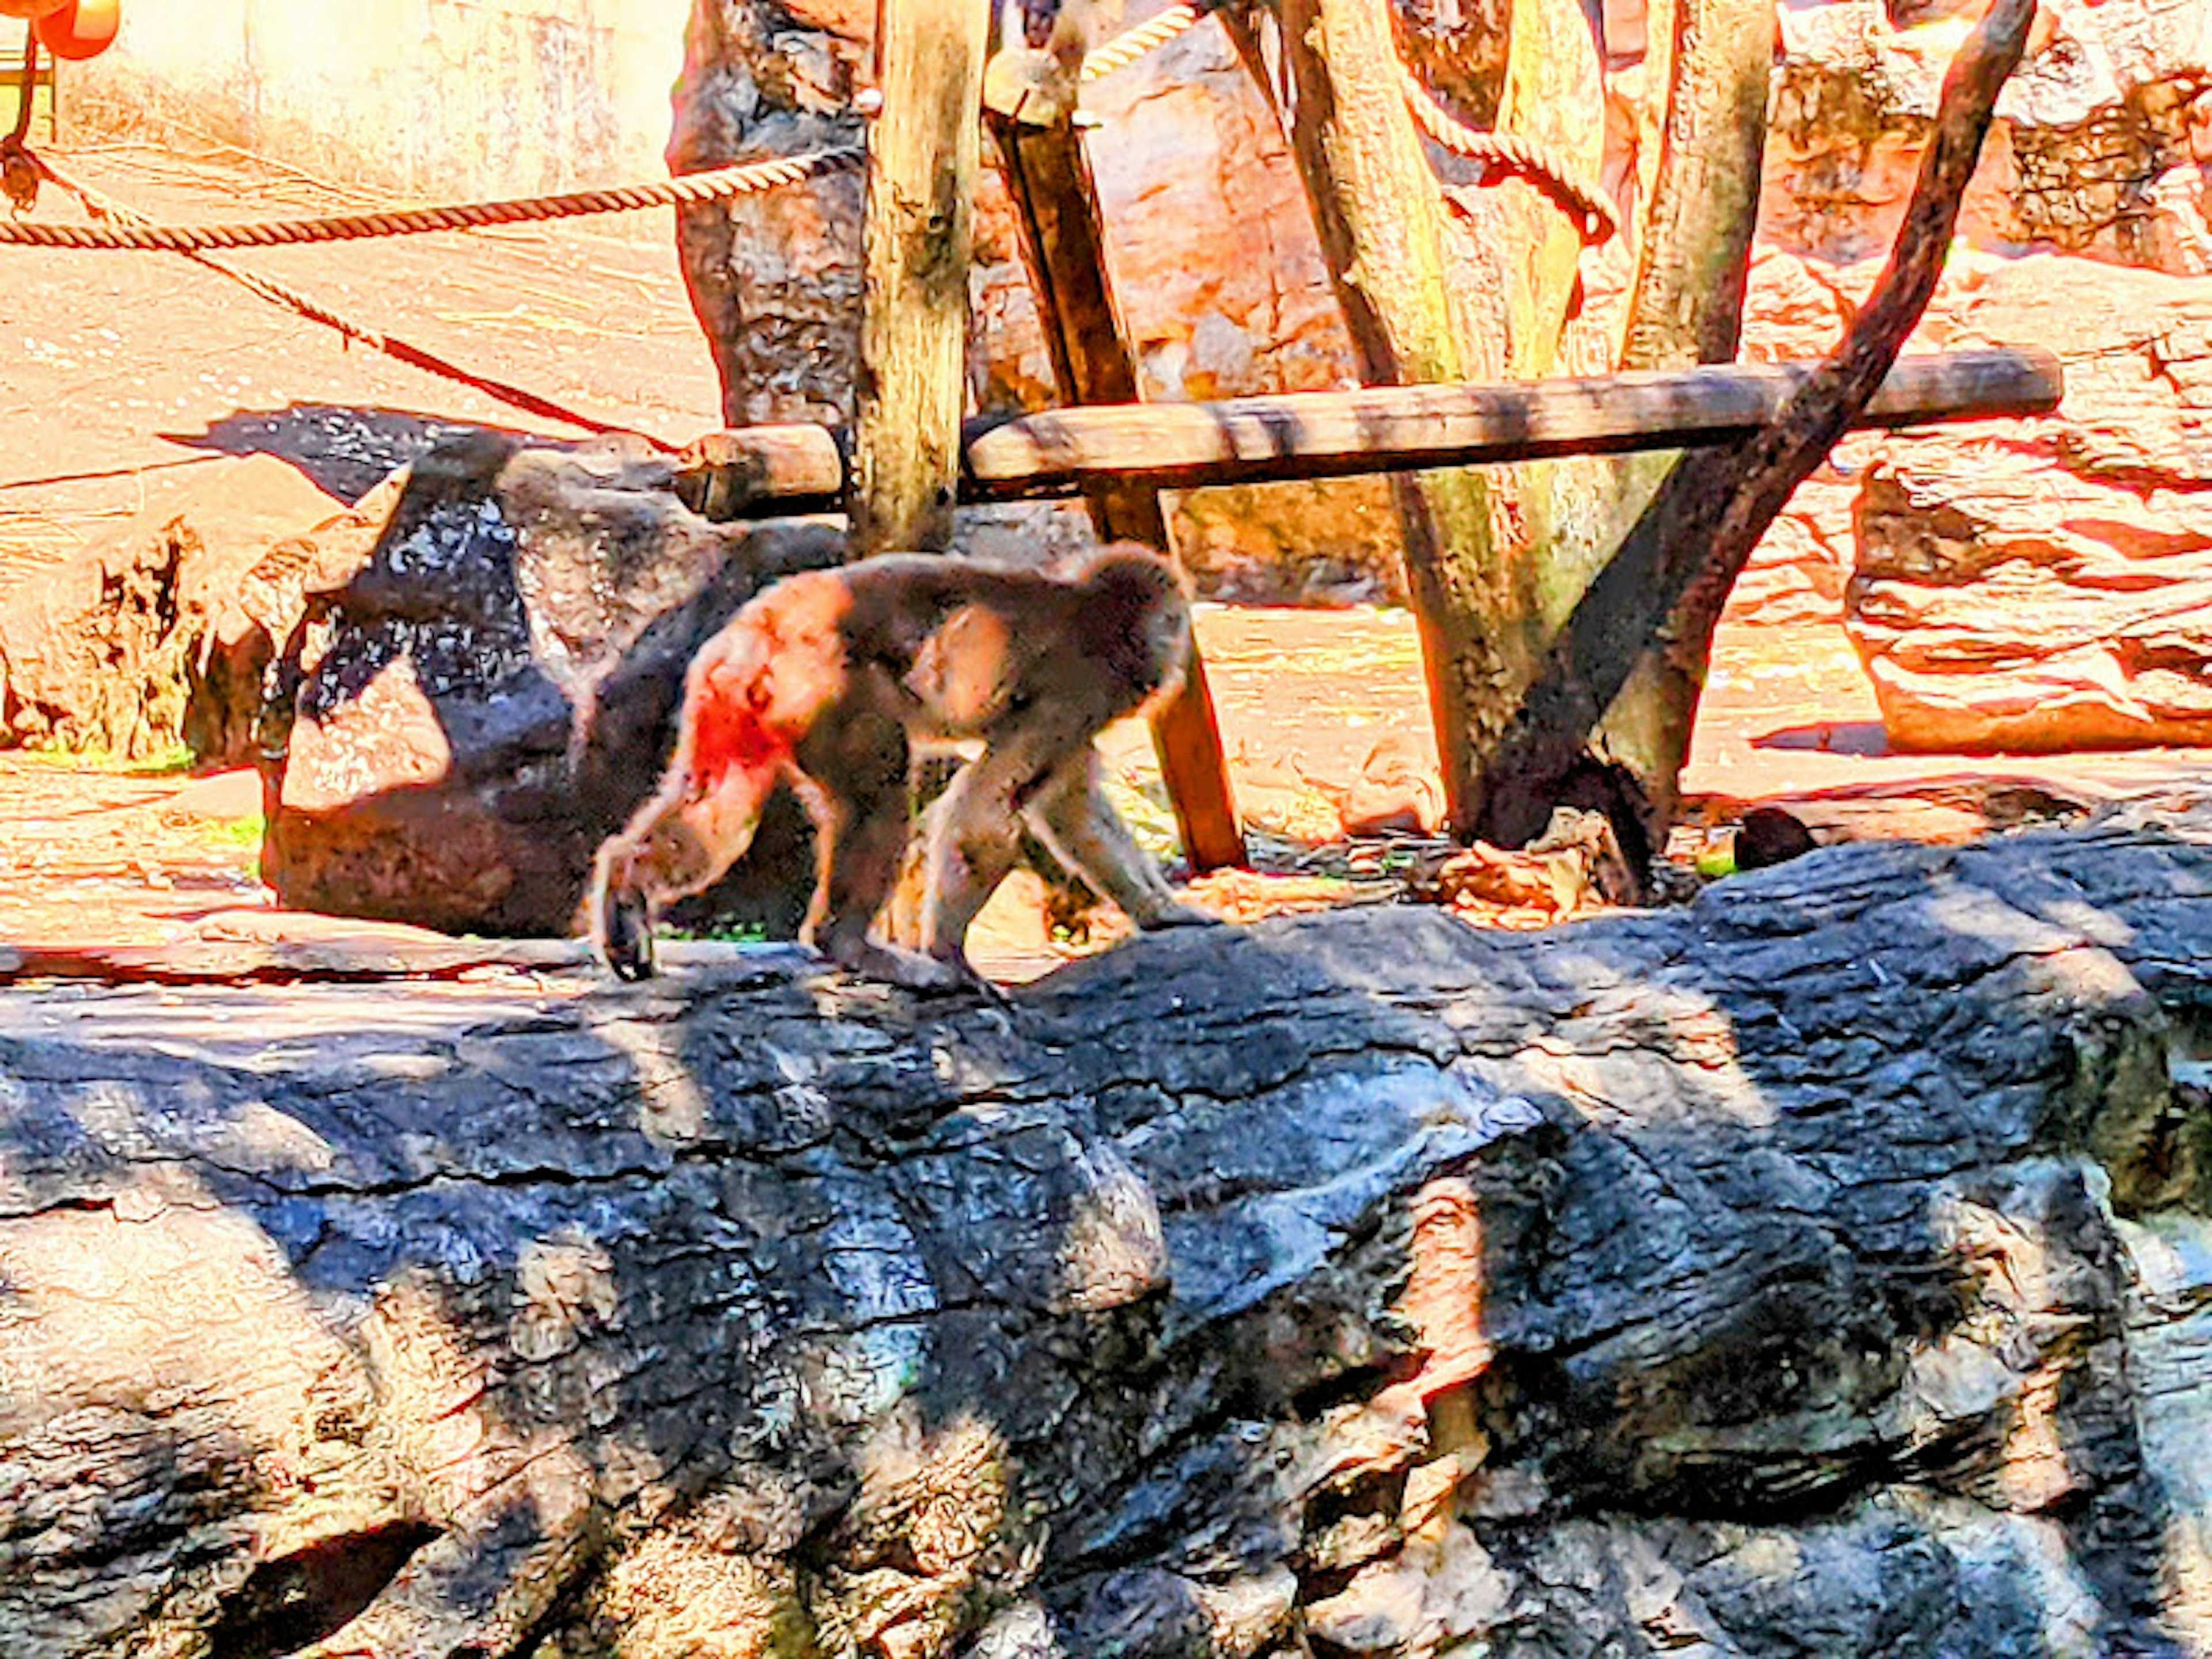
pixel 679 842
pixel 1072 816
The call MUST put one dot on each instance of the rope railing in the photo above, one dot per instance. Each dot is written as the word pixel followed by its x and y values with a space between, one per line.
pixel 748 178
pixel 105 207
pixel 1126 48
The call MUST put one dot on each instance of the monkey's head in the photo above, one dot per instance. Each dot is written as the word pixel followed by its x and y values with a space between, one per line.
pixel 1138 617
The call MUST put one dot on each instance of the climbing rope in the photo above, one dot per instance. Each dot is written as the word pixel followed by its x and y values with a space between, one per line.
pixel 415 356
pixel 723 183
pixel 1541 164
pixel 1525 158
pixel 1126 48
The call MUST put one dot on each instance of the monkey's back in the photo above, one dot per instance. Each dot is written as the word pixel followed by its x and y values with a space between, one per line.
pixel 1113 629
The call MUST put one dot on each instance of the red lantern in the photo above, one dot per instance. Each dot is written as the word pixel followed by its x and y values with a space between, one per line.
pixel 80 28
pixel 30 9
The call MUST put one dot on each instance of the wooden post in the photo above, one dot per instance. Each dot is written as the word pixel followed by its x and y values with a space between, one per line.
pixel 922 154
pixel 1031 107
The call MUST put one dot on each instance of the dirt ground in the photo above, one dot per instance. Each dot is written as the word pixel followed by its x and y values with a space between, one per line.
pixel 130 377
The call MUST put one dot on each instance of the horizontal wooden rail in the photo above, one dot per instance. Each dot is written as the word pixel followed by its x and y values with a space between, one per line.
pixel 1319 434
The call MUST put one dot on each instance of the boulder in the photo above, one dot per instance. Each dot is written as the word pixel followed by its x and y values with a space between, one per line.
pixel 255 612
pixel 454 730
pixel 2045 586
pixel 2001 603
pixel 93 652
pixel 106 651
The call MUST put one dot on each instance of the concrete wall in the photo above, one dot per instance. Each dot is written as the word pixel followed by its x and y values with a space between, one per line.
pixel 435 97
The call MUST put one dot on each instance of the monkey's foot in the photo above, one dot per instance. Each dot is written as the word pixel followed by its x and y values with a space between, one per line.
pixel 624 930
pixel 1176 913
pixel 910 971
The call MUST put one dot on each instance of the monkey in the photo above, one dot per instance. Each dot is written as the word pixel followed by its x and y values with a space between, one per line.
pixel 830 679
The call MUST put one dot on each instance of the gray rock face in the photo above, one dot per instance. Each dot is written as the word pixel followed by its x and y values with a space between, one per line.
pixel 2103 145
pixel 1821 1268
pixel 456 727
pixel 2046 588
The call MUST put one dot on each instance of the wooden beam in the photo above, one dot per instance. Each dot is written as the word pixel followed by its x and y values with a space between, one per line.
pixel 1317 434
pixel 1395 428
pixel 758 472
pixel 923 150
pixel 1030 108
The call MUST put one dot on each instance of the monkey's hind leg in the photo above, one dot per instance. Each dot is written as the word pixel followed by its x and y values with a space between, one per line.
pixel 855 780
pixel 678 843
pixel 975 834
pixel 1072 816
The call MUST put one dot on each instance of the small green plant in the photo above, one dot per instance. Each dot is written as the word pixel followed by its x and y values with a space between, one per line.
pixel 241 834
pixel 165 761
pixel 735 933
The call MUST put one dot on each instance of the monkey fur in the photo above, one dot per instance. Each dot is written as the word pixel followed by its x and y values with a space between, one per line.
pixel 830 679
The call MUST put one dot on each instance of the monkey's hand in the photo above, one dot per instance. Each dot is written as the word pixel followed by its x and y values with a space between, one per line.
pixel 624 928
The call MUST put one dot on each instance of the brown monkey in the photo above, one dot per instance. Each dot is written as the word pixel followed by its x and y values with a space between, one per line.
pixel 829 678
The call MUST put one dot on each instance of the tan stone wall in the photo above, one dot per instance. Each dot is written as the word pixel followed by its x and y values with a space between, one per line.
pixel 437 97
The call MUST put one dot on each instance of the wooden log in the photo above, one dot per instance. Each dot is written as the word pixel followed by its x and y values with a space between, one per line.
pixel 1031 117
pixel 1366 1284
pixel 923 151
pixel 757 470
pixel 1314 435
pixel 1397 429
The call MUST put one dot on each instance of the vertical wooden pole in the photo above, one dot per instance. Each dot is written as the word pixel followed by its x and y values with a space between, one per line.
pixel 1031 108
pixel 922 153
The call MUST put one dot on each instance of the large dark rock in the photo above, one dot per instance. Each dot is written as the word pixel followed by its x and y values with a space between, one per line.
pixel 455 729
pixel 1821 1268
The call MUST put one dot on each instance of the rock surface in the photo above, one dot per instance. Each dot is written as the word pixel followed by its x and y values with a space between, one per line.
pixel 458 724
pixel 106 650
pixel 2103 144
pixel 94 652
pixel 255 612
pixel 2050 588
pixel 1819 1268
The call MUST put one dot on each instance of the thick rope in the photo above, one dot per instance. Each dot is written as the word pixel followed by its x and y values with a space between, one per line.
pixel 1126 48
pixel 1524 157
pixel 1539 163
pixel 720 184
pixel 278 293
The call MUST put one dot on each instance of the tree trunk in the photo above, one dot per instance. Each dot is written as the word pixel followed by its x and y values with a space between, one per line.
pixel 1820 1268
pixel 1379 215
pixel 1504 578
pixel 1635 650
